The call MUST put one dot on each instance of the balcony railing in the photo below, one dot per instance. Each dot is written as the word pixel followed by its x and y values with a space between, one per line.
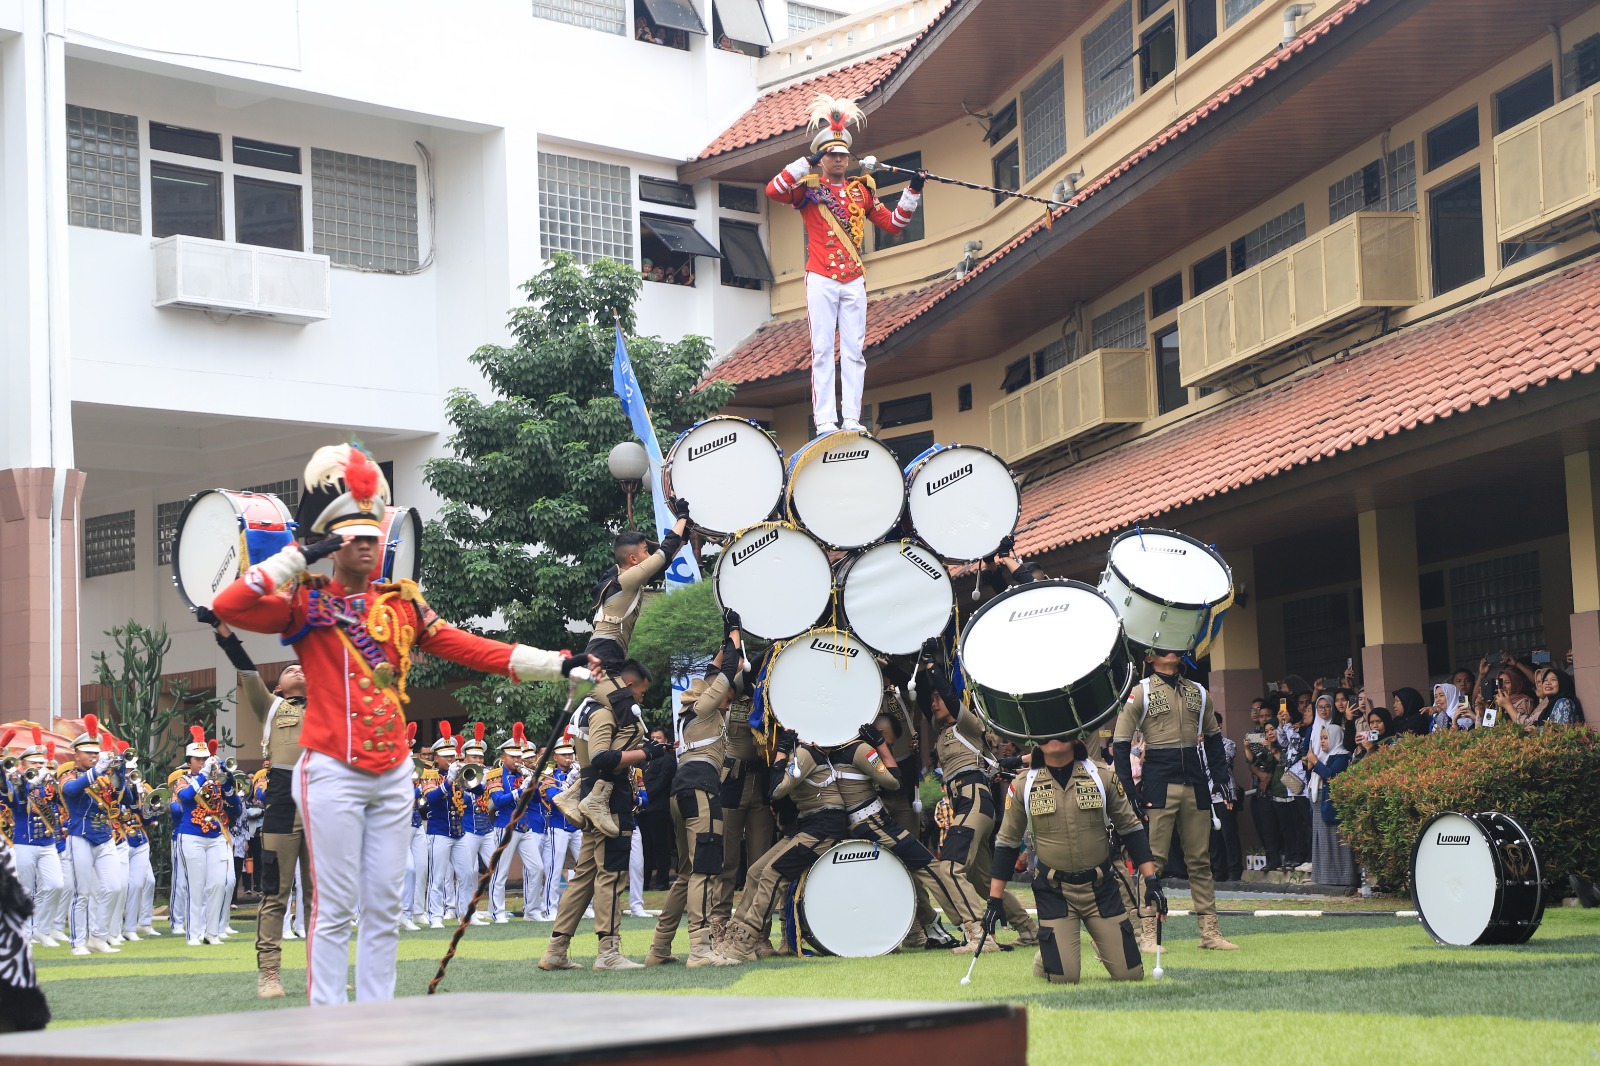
pixel 1366 261
pixel 1545 173
pixel 1106 387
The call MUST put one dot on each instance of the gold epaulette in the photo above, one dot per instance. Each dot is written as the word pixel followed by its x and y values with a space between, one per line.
pixel 494 773
pixel 865 179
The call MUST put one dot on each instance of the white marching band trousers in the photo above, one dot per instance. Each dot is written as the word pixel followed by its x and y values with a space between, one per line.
pixel 357 828
pixel 178 905
pixel 561 848
pixel 528 848
pixel 137 913
pixel 842 306
pixel 94 872
pixel 482 849
pixel 39 870
pixel 415 893
pixel 205 862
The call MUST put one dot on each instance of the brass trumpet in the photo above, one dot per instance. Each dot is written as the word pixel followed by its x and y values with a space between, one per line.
pixel 135 778
pixel 154 803
pixel 471 775
pixel 8 765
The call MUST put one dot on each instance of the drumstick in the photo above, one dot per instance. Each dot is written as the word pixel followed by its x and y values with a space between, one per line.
pixel 967 980
pixel 1158 972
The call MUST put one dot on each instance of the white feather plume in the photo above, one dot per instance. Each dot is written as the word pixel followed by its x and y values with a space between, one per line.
pixel 824 106
pixel 325 470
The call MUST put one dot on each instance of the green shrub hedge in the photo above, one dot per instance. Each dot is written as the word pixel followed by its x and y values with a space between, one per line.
pixel 1547 779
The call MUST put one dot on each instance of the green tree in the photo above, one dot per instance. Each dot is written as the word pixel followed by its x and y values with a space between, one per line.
pixel 530 508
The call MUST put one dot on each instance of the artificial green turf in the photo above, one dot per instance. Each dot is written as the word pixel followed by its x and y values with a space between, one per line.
pixel 1337 989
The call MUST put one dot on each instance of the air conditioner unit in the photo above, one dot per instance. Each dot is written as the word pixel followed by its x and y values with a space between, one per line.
pixel 241 279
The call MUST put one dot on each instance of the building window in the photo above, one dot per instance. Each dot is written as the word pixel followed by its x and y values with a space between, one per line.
pixel 167 515
pixel 584 208
pixel 1199 24
pixel 666 22
pixel 663 191
pixel 1017 375
pixel 1355 192
pixel 607 15
pixel 364 211
pixel 1120 327
pixel 964 398
pixel 1234 10
pixel 1003 122
pixel 1316 634
pixel 1580 66
pixel 1170 393
pixel 1158 52
pixel 1455 215
pixel 185 201
pixel 1270 238
pixel 888 179
pixel 289 491
pixel 908 448
pixel 266 156
pixel 668 248
pixel 1210 271
pixel 906 411
pixel 804 18
pixel 741 26
pixel 744 261
pixel 267 214
pixel 1453 138
pixel 1496 606
pixel 108 544
pixel 103 188
pixel 739 198
pixel 912 232
pixel 1107 72
pixel 1166 295
pixel 1400 176
pixel 1044 120
pixel 1051 357
pixel 1007 172
pixel 180 140
pixel 1524 98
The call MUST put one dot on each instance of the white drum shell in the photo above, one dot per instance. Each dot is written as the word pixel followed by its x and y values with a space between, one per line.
pixel 729 470
pixel 846 489
pixel 896 596
pixel 776 577
pixel 857 901
pixel 824 685
pixel 402 544
pixel 1164 586
pixel 205 553
pixel 963 501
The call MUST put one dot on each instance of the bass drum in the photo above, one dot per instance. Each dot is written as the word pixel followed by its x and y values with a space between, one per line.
pixel 823 684
pixel 845 489
pixel 776 577
pixel 895 596
pixel 1165 586
pixel 1047 659
pixel 963 500
pixel 402 544
pixel 857 901
pixel 221 534
pixel 729 471
pixel 1477 879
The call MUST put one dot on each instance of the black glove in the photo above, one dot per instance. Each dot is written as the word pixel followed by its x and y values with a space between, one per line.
pixel 788 740
pixel 1154 896
pixel 1008 544
pixel 323 548
pixel 871 734
pixel 654 749
pixel 994 915
pixel 680 507
pixel 730 621
pixel 207 616
pixel 931 648
pixel 571 663
pixel 233 648
pixel 814 158
pixel 1011 763
pixel 917 180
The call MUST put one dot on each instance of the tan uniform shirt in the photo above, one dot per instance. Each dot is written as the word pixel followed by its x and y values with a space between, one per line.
pixel 859 773
pixel 281 720
pixel 810 782
pixel 1172 728
pixel 1069 820
pixel 619 611
pixel 962 747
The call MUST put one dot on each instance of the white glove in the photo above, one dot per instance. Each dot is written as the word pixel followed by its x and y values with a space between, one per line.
pixel 212 768
pixel 104 762
pixel 455 769
pixel 581 673
pixel 799 168
pixel 534 664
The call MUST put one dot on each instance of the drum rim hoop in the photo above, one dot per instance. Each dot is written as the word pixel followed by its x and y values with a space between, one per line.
pixel 666 470
pixel 1112 568
pixel 839 582
pixel 1130 679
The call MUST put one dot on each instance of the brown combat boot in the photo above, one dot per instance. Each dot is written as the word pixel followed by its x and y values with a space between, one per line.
pixel 974 931
pixel 1146 935
pixel 660 954
pixel 611 957
pixel 1211 937
pixel 915 940
pixel 567 801
pixel 737 946
pixel 1027 931
pixel 596 807
pixel 719 926
pixel 268 983
pixel 555 954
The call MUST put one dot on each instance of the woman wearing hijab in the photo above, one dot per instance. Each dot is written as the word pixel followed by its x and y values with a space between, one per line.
pixel 1512 698
pixel 1558 703
pixel 1331 860
pixel 1379 733
pixel 1449 710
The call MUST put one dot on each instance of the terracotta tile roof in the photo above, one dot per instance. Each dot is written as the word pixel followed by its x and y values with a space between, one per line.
pixel 732 368
pixel 785 347
pixel 789 107
pixel 1482 355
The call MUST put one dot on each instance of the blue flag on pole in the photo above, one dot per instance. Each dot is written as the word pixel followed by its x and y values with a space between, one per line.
pixel 682 570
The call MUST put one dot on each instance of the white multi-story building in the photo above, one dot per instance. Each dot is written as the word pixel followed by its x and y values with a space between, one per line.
pixel 229 234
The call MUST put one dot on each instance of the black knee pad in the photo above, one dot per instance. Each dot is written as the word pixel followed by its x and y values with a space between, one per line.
pixel 269 872
pixel 957 845
pixel 1130 946
pixel 688 804
pixel 618 850
pixel 708 853
pixel 795 860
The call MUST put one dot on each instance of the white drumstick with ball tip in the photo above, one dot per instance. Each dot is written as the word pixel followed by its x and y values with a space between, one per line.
pixel 967 980
pixel 1158 972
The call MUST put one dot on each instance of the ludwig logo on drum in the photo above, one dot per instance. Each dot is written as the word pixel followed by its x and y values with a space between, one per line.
pixel 1038 612
pixel 696 451
pixel 866 855
pixel 1452 838
pixel 821 644
pixel 949 479
pixel 767 539
pixel 844 457
pixel 923 564
pixel 229 564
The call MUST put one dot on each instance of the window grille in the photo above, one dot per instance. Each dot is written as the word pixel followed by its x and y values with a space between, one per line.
pixel 585 208
pixel 108 544
pixel 1044 121
pixel 1120 327
pixel 103 189
pixel 1496 605
pixel 1108 68
pixel 364 211
pixel 607 15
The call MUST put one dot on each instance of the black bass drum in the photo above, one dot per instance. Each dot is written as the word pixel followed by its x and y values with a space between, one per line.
pixel 1477 879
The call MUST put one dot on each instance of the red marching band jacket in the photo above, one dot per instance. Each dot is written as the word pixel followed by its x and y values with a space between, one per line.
pixel 833 243
pixel 349 648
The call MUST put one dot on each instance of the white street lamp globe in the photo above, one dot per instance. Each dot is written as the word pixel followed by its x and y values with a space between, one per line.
pixel 628 461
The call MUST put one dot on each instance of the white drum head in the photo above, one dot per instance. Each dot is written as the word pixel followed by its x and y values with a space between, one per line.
pixel 963 502
pixel 1172 569
pixel 824 684
pixel 896 596
pixel 731 473
pixel 777 578
pixel 1040 639
pixel 857 901
pixel 205 553
pixel 1454 879
pixel 402 538
pixel 846 489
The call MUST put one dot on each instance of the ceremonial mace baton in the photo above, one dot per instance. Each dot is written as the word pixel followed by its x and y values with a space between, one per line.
pixel 528 793
pixel 871 165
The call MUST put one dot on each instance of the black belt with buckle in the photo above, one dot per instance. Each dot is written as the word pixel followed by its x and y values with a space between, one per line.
pixel 1080 877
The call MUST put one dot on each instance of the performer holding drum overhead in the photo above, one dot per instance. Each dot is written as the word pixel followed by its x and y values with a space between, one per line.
pixel 1174 713
pixel 967 763
pixel 618 595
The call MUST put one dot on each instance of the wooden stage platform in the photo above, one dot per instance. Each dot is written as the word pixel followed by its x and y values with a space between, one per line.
pixel 544 1030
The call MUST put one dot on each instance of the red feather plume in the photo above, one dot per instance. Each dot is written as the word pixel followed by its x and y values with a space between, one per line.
pixel 197 734
pixel 411 731
pixel 361 475
pixel 518 733
pixel 38 736
pixel 477 732
pixel 5 741
pixel 91 725
pixel 50 752
pixel 211 746
pixel 444 729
